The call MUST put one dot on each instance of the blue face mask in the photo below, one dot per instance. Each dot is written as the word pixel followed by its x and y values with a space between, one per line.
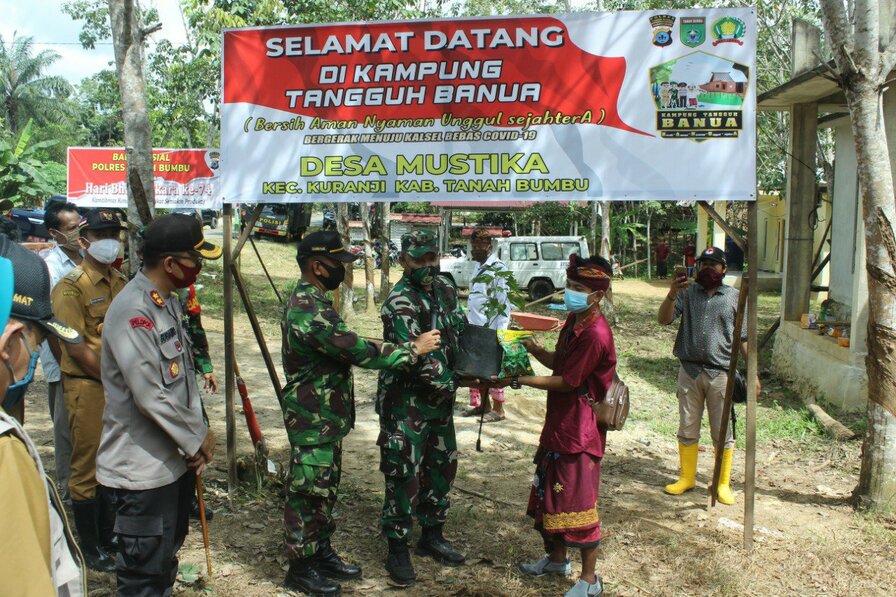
pixel 16 390
pixel 575 301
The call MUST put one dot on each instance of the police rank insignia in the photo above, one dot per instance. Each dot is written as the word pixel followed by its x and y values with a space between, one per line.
pixel 173 369
pixel 693 31
pixel 157 298
pixel 662 29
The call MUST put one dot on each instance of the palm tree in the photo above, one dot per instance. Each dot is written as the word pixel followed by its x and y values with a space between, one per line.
pixel 25 92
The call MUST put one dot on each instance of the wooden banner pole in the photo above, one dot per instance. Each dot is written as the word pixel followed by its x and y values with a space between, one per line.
pixel 229 381
pixel 752 377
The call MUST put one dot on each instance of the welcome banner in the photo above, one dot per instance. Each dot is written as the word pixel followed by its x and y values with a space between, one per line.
pixel 97 177
pixel 611 106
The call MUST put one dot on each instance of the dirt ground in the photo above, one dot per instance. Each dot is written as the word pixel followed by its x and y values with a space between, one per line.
pixel 809 540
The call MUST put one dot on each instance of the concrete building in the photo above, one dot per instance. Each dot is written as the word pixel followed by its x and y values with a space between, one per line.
pixel 833 373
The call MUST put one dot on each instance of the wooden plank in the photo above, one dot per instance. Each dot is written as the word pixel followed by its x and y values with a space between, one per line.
pixel 229 379
pixel 752 378
pixel 737 238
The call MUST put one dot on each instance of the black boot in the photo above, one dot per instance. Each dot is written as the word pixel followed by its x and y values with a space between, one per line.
pixel 398 563
pixel 87 522
pixel 304 576
pixel 331 565
pixel 434 545
pixel 108 538
pixel 194 511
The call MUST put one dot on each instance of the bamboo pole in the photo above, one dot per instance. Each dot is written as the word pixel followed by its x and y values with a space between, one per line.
pixel 229 385
pixel 259 334
pixel 752 378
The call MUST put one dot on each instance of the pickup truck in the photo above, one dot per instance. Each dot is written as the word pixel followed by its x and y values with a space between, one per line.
pixel 538 263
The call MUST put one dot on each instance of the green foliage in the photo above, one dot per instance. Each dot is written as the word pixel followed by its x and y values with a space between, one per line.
pixel 99 107
pixel 495 283
pixel 26 93
pixel 24 176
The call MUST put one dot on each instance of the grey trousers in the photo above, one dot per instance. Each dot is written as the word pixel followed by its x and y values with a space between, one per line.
pixel 62 436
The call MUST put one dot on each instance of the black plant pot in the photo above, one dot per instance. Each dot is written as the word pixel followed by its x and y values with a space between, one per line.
pixel 478 353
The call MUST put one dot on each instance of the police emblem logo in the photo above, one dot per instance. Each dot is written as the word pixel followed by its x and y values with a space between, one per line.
pixel 107 216
pixel 710 250
pixel 173 369
pixel 662 29
pixel 157 298
pixel 693 31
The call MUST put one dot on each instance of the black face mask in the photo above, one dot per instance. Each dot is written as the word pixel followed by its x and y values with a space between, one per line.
pixel 336 276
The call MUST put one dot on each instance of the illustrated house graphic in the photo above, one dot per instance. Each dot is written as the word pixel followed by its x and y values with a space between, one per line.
pixel 723 83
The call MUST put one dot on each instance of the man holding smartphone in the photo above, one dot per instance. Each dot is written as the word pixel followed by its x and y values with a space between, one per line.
pixel 708 311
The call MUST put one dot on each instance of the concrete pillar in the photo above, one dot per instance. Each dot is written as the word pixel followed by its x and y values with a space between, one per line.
pixel 702 229
pixel 798 245
pixel 718 235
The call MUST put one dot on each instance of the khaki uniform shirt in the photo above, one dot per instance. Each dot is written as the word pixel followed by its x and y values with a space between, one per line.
pixel 80 300
pixel 153 417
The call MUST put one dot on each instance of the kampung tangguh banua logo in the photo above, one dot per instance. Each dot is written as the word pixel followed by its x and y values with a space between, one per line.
pixel 700 96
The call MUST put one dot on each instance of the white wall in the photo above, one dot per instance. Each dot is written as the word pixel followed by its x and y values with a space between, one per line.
pixel 843 228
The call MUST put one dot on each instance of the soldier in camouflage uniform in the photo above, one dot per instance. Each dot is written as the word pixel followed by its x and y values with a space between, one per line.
pixel 319 408
pixel 418 448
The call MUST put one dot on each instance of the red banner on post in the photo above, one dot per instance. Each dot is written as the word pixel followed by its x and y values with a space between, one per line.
pixel 97 177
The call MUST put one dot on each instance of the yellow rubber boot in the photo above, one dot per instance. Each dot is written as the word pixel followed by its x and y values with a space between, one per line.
pixel 724 495
pixel 687 476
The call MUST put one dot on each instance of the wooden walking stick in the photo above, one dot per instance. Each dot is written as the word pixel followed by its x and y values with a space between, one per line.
pixel 208 554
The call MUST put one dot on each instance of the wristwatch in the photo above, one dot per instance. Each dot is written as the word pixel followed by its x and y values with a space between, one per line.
pixel 515 382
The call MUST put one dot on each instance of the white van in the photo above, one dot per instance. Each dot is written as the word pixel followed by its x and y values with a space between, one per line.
pixel 538 262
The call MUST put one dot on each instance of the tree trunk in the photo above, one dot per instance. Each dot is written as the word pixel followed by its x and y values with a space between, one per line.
pixel 864 62
pixel 877 481
pixel 592 232
pixel 385 232
pixel 346 289
pixel 127 39
pixel 649 248
pixel 605 229
pixel 368 258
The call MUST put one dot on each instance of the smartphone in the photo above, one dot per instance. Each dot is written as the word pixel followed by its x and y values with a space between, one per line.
pixel 681 272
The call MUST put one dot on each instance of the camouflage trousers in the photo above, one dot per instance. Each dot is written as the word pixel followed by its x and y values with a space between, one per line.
pixel 311 494
pixel 419 461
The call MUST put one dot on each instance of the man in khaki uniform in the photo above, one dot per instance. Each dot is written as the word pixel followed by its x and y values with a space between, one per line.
pixel 80 300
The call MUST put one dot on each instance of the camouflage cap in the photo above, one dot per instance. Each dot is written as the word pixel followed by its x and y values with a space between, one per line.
pixel 419 242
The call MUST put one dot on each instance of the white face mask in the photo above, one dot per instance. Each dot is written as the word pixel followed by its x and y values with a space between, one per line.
pixel 104 251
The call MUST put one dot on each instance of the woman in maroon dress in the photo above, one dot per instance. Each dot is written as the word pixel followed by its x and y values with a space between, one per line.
pixel 564 495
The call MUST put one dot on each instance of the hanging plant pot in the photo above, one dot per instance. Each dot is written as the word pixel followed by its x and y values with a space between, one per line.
pixel 478 353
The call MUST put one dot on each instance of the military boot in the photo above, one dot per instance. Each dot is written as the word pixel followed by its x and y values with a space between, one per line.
pixel 332 566
pixel 304 576
pixel 434 545
pixel 86 513
pixel 107 508
pixel 398 563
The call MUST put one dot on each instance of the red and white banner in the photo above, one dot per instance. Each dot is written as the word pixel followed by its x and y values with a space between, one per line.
pixel 657 105
pixel 97 177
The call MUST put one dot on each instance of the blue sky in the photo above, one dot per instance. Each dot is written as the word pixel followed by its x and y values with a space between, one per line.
pixel 52 29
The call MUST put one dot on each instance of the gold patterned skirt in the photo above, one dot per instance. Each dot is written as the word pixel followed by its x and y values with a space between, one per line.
pixel 564 497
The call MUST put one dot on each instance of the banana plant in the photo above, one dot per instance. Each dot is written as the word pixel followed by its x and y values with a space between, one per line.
pixel 24 176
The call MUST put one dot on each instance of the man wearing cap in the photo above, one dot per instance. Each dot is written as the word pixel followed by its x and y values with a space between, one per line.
pixel 418 449
pixel 62 222
pixel 564 495
pixel 80 300
pixel 37 557
pixel 154 441
pixel 319 408
pixel 708 310
pixel 490 272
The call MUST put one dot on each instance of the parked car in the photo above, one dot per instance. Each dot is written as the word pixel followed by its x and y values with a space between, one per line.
pixel 209 216
pixel 286 221
pixel 538 263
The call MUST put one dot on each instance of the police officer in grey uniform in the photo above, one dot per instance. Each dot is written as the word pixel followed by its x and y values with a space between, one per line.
pixel 154 441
